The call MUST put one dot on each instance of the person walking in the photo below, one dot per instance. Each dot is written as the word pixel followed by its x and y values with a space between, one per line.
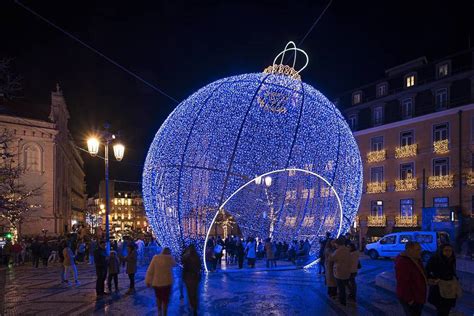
pixel 270 256
pixel 191 276
pixel 354 268
pixel 411 279
pixel 329 268
pixel 251 251
pixel 69 264
pixel 131 260
pixel 159 275
pixel 239 251
pixel 36 252
pixel 16 251
pixel 113 271
pixel 100 261
pixel 45 252
pixel 342 268
pixel 444 286
pixel 210 256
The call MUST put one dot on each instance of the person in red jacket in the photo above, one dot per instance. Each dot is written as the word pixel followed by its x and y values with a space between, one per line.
pixel 411 279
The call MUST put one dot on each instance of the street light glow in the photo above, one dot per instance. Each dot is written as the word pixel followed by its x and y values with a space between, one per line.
pixel 119 151
pixel 93 146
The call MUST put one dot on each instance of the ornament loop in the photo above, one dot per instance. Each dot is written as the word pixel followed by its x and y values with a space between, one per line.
pixel 286 69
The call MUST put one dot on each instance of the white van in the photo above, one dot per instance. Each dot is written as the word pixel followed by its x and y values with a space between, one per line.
pixel 392 244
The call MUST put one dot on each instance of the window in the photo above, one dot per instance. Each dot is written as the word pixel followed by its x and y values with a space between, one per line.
pixel 376 174
pixel 443 70
pixel 406 170
pixel 382 89
pixel 376 208
pixel 405 238
pixel 378 115
pixel 388 240
pixel 441 99
pixel 407 138
pixel 376 143
pixel 440 167
pixel 409 81
pixel 32 158
pixel 440 132
pixel 406 207
pixel 424 239
pixel 356 97
pixel 407 108
pixel 353 121
pixel 441 201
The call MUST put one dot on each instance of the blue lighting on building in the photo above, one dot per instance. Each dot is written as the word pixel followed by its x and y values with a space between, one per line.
pixel 217 141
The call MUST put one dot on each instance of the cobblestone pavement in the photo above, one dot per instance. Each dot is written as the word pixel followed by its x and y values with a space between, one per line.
pixel 30 291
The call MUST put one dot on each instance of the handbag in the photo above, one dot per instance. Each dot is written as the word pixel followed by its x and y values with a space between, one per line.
pixel 450 289
pixel 217 249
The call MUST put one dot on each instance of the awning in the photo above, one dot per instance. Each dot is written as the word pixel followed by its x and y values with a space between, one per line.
pixel 405 229
pixel 376 232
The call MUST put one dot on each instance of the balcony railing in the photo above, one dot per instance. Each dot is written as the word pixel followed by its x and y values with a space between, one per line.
pixel 441 182
pixel 406 151
pixel 375 156
pixel 470 179
pixel 408 184
pixel 376 221
pixel 441 147
pixel 406 221
pixel 376 187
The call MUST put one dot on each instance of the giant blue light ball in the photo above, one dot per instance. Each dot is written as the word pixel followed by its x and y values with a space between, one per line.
pixel 224 135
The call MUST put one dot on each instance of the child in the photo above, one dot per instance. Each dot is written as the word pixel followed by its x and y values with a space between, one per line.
pixel 114 269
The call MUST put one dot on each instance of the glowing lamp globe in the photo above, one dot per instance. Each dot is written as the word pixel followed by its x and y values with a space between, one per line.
pixel 267 150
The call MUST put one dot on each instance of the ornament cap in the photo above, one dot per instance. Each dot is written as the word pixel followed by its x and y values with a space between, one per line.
pixel 287 70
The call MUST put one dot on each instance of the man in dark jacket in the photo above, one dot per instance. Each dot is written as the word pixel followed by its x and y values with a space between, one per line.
pixel 411 279
pixel 36 252
pixel 100 260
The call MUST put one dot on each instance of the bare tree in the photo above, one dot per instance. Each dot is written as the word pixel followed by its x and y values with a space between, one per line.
pixel 15 196
pixel 10 85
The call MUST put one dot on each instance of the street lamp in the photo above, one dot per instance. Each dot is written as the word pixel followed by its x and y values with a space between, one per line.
pixel 93 145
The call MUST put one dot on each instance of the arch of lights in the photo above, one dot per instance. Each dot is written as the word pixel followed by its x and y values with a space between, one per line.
pixel 219 139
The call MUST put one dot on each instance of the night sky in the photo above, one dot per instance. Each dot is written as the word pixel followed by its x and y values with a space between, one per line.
pixel 180 46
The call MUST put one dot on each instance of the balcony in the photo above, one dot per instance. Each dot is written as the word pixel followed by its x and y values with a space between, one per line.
pixel 376 187
pixel 406 151
pixel 441 147
pixel 408 184
pixel 441 182
pixel 470 179
pixel 406 221
pixel 376 221
pixel 376 156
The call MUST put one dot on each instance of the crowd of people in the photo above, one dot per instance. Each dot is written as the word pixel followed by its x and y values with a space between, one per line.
pixel 235 250
pixel 435 282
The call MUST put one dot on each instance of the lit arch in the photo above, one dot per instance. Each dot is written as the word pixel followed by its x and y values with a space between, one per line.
pixel 32 157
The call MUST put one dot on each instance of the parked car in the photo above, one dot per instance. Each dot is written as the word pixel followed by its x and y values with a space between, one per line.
pixel 392 245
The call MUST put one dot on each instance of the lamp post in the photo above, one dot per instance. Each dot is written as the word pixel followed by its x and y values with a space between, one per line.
pixel 93 145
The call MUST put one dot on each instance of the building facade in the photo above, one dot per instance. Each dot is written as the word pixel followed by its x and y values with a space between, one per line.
pixel 127 213
pixel 44 149
pixel 415 131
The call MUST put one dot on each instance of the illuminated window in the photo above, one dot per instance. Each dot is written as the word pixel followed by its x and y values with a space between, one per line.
pixel 376 174
pixel 440 167
pixel 356 98
pixel 378 115
pixel 407 108
pixel 376 143
pixel 32 158
pixel 443 70
pixel 441 99
pixel 382 89
pixel 440 132
pixel 406 207
pixel 442 201
pixel 409 81
pixel 407 138
pixel 376 208
pixel 407 170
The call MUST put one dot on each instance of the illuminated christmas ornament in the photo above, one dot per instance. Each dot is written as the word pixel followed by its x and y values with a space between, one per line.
pixel 270 148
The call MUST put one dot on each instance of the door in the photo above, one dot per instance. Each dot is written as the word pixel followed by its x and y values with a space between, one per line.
pixel 388 246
